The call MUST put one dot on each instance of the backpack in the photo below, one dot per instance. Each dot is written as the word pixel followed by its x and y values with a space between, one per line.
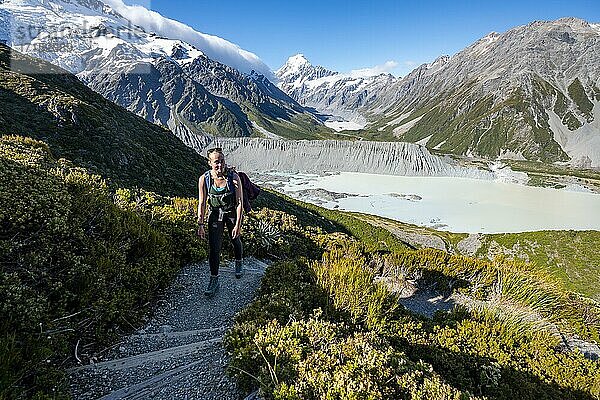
pixel 250 190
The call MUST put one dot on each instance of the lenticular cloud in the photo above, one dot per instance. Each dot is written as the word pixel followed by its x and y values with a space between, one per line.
pixel 374 71
pixel 213 46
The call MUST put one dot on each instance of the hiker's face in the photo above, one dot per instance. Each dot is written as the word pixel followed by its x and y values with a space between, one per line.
pixel 217 161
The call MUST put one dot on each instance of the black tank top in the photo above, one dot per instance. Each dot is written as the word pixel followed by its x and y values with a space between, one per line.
pixel 221 197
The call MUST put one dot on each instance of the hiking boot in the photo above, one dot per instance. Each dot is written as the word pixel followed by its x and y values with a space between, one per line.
pixel 213 286
pixel 238 269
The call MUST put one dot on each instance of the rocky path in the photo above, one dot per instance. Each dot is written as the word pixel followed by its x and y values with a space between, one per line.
pixel 179 353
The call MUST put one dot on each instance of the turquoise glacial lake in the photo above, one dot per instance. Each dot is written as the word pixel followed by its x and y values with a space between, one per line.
pixel 451 204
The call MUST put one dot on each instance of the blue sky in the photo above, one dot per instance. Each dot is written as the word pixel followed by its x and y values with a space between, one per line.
pixel 354 34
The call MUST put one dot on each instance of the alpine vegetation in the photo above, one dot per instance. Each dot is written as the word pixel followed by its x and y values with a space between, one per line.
pixel 327 325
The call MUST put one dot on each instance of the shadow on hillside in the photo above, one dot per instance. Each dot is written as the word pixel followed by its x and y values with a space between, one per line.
pixel 483 376
pixel 478 375
pixel 427 301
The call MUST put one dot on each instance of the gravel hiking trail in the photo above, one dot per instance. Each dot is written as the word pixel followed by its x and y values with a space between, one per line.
pixel 179 353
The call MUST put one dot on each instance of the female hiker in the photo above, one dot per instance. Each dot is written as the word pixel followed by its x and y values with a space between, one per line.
pixel 221 188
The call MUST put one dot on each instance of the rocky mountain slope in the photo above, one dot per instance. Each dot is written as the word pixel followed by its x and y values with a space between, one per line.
pixel 342 97
pixel 44 102
pixel 167 81
pixel 529 93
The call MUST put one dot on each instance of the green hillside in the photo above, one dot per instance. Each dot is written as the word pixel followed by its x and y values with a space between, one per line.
pixel 82 261
pixel 464 120
pixel 79 263
pixel 51 105
pixel 571 256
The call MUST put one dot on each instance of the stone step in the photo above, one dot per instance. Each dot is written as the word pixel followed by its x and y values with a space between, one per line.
pixel 153 356
pixel 145 389
pixel 190 381
pixel 149 342
pixel 178 354
pixel 101 379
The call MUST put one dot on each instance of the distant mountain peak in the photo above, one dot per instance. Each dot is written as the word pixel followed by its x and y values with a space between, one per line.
pixel 298 69
pixel 572 21
pixel 297 60
pixel 491 36
pixel 438 62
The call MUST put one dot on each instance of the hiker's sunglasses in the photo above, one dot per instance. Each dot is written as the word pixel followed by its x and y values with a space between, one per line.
pixel 210 151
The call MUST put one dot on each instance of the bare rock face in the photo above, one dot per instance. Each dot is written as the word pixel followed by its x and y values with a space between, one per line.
pixel 470 244
pixel 161 91
pixel 390 158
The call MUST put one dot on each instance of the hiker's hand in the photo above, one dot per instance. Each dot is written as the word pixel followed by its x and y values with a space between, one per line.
pixel 236 231
pixel 201 232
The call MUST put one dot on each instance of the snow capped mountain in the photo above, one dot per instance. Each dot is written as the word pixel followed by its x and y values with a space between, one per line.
pixel 340 96
pixel 298 70
pixel 529 93
pixel 532 92
pixel 214 47
pixel 78 26
pixel 168 78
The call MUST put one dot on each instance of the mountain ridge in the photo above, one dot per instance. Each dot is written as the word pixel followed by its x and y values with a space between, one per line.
pixel 101 46
pixel 518 78
pixel 528 93
pixel 49 104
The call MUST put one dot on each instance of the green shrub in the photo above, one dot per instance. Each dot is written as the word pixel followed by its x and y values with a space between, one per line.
pixel 314 359
pixel 79 263
pixel 342 275
pixel 279 344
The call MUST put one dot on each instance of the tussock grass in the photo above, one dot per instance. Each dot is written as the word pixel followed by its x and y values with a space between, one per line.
pixel 498 345
pixel 569 256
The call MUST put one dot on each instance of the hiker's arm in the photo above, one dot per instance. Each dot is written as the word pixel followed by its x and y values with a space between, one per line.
pixel 201 204
pixel 239 204
pixel 201 199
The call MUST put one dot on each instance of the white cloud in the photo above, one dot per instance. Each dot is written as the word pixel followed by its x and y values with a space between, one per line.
pixel 214 47
pixel 373 71
pixel 405 67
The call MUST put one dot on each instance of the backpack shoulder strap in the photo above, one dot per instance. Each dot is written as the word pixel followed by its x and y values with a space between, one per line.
pixel 207 179
pixel 230 181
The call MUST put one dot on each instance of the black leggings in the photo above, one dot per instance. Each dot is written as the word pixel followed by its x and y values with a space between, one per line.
pixel 215 238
